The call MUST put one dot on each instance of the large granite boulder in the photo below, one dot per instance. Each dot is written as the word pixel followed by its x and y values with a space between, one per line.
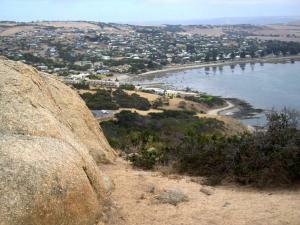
pixel 38 104
pixel 49 146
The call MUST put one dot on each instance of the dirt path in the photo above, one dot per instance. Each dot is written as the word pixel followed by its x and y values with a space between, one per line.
pixel 216 112
pixel 226 205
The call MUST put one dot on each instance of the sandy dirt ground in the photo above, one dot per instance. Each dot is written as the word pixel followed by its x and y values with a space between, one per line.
pixel 227 205
pixel 13 30
pixel 174 103
pixel 149 96
pixel 279 32
pixel 69 24
pixel 141 112
pixel 215 31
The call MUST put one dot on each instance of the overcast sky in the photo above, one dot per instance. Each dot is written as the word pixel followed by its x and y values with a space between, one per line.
pixel 139 11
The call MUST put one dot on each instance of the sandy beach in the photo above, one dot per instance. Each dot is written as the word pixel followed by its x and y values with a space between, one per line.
pixel 177 68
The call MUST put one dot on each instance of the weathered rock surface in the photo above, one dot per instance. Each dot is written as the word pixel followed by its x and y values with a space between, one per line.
pixel 172 197
pixel 37 104
pixel 49 142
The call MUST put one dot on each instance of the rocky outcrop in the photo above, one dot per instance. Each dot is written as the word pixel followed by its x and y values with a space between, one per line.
pixel 37 104
pixel 49 146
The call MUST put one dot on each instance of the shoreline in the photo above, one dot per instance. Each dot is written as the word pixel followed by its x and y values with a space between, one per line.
pixel 237 108
pixel 177 68
pixel 242 112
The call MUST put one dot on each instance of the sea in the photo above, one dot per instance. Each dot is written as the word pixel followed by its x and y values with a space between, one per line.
pixel 266 86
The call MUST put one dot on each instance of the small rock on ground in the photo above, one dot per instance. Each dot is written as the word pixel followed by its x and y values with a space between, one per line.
pixel 151 188
pixel 172 197
pixel 206 191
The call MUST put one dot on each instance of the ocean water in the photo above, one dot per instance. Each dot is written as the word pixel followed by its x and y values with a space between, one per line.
pixel 265 86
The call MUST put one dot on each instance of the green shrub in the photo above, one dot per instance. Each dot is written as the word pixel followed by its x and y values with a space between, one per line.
pixel 271 157
pixel 105 99
pixel 211 101
pixel 102 99
pixel 81 85
pixel 157 103
pixel 146 159
pixel 129 87
pixel 131 101
pixel 196 146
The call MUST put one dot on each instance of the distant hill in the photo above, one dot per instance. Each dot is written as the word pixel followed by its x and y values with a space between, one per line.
pixel 250 20
pixel 235 20
pixel 295 22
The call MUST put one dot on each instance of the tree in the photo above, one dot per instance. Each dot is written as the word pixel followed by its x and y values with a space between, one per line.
pixel 243 55
pixel 206 58
pixel 232 55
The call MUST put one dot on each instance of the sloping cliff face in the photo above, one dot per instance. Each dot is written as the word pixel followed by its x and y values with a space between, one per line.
pixel 37 104
pixel 49 146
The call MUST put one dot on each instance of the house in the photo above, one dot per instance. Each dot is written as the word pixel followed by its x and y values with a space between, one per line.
pixel 102 72
pixel 80 76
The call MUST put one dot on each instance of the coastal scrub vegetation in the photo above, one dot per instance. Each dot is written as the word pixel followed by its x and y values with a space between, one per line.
pixel 135 101
pixel 129 87
pixel 113 100
pixel 102 99
pixel 209 100
pixel 199 147
pixel 81 85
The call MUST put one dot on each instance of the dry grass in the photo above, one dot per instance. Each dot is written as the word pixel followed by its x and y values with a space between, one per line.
pixel 71 24
pixel 215 31
pixel 227 205
pixel 14 30
pixel 140 112
pixel 150 97
pixel 281 31
pixel 174 103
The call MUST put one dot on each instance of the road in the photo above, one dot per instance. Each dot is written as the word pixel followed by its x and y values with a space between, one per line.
pixel 216 112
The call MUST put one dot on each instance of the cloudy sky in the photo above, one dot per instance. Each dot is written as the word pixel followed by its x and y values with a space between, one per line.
pixel 139 11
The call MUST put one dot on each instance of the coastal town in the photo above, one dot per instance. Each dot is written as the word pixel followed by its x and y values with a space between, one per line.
pixel 149 112
pixel 103 54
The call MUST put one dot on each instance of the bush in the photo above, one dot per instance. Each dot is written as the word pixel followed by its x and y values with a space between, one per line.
pixel 271 157
pixel 133 133
pixel 196 146
pixel 206 155
pixel 211 101
pixel 182 105
pixel 147 159
pixel 102 99
pixel 157 103
pixel 131 101
pixel 129 87
pixel 81 85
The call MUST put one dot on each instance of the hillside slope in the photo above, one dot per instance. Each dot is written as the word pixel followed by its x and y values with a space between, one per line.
pixel 136 200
